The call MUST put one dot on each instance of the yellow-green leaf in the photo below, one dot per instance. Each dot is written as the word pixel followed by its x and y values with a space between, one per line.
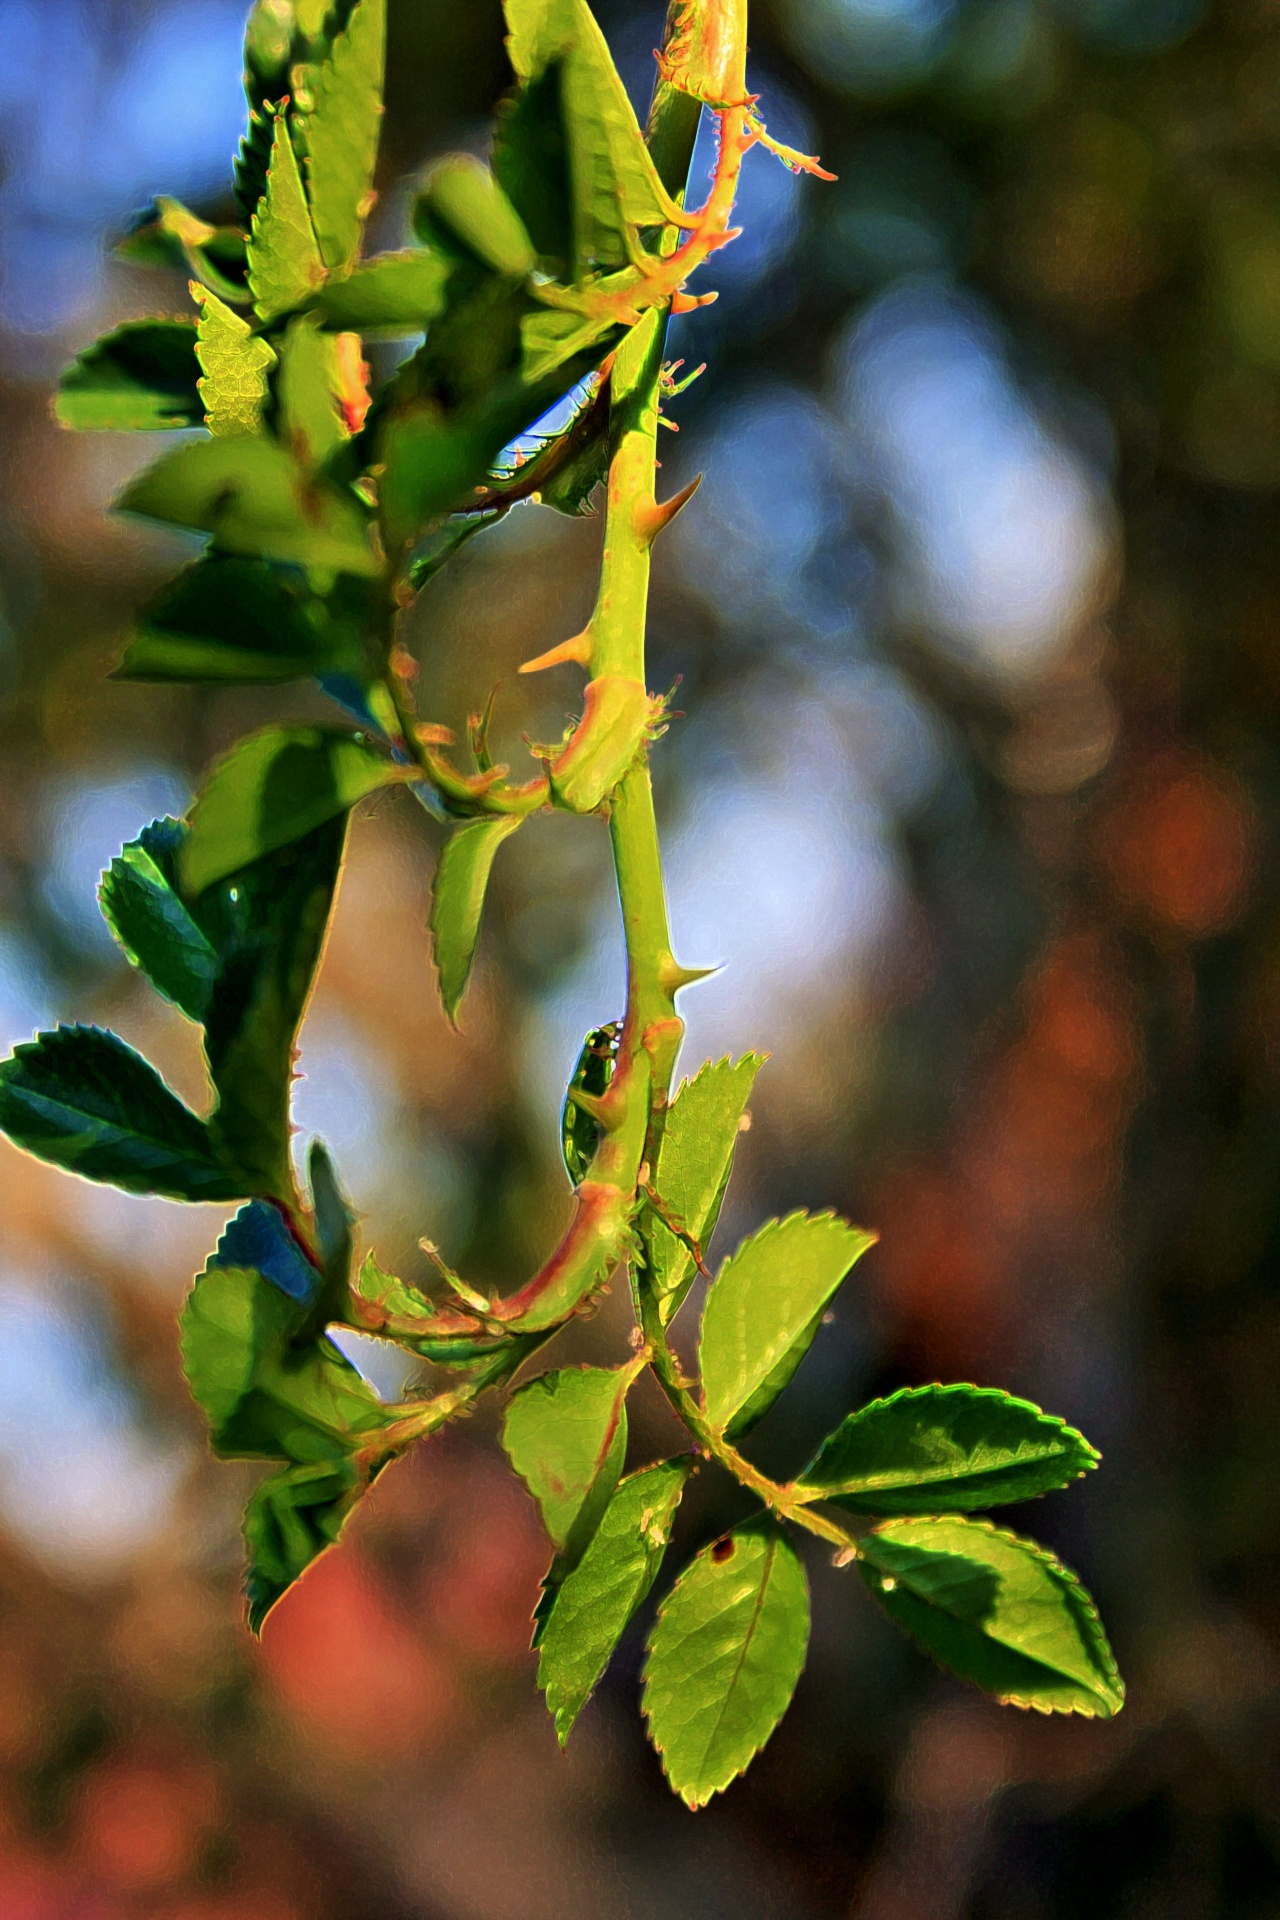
pixel 285 266
pixel 341 132
pixel 692 1171
pixel 457 900
pixel 234 366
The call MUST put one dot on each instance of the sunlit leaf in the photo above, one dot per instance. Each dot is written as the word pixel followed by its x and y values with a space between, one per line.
pixel 341 132
pixel 142 905
pixel 167 234
pixel 393 294
pixel 462 205
pixel 939 1449
pixel 307 392
pixel 285 266
pixel 997 1610
pixel 725 1654
pixel 234 367
pixel 457 900
pixel 692 1170
pixel 565 1434
pixel 141 375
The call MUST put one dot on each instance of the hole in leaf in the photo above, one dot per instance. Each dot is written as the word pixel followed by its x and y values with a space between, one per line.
pixel 722 1550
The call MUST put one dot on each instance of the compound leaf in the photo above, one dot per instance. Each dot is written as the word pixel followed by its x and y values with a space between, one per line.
pixel 144 910
pixel 457 900
pixel 996 1609
pixel 80 1098
pixel 341 132
pixel 231 620
pixel 725 1654
pixel 234 366
pixel 272 789
pixel 692 1171
pixel 285 266
pixel 565 1434
pixel 946 1449
pixel 142 375
pixel 392 294
pixel 763 1309
pixel 582 1618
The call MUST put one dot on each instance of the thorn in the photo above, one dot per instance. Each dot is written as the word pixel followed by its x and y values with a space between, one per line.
pixel 432 734
pixel 468 1295
pixel 686 302
pixel 577 650
pixel 673 976
pixel 652 520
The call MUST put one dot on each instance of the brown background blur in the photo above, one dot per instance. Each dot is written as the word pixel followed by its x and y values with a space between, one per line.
pixel 978 617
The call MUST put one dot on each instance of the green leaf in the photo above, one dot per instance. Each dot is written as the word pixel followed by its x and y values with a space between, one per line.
pixel 285 266
pixel 268 923
pixel 335 1219
pixel 307 392
pixel 595 1600
pixel 247 621
pixel 270 790
pixel 461 204
pixel 692 1170
pixel 763 1309
pixel 945 1449
pixel 997 1610
pixel 531 165
pixel 265 1396
pixel 457 900
pixel 725 1654
pixel 579 1132
pixel 391 295
pixel 256 499
pixel 251 163
pixel 168 234
pixel 614 181
pixel 234 364
pixel 565 1434
pixel 341 132
pixel 404 1304
pixel 140 376
pixel 290 1519
pixel 144 910
pixel 82 1099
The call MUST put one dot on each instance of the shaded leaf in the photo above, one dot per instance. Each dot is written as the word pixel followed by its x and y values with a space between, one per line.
pixel 996 1609
pixel 307 393
pixel 335 1219
pixel 592 1605
pixel 142 375
pixel 237 620
pixel 285 266
pixel 393 294
pixel 725 1654
pixel 531 165
pixel 270 790
pixel 457 900
pixel 234 367
pixel 81 1098
pixel 290 1519
pixel 565 1434
pixel 167 234
pixel 462 205
pixel 144 910
pixel 341 132
pixel 256 499
pixel 258 1237
pixel 694 1161
pixel 946 1449
pixel 579 1132
pixel 763 1309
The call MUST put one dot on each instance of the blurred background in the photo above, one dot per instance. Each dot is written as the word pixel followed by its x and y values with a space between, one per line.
pixel 977 799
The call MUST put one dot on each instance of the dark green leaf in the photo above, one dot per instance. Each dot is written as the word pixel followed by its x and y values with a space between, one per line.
pixel 255 498
pixel 457 900
pixel 391 295
pixel 270 790
pixel 724 1657
pixel 82 1099
pixel 763 1309
pixel 596 1599
pixel 232 620
pixel 531 165
pixel 694 1162
pixel 462 205
pixel 285 267
pixel 565 1434
pixel 579 1132
pixel 997 1610
pixel 143 908
pixel 341 132
pixel 946 1449
pixel 168 234
pixel 335 1219
pixel 141 375
pixel 234 365
pixel 259 1238
pixel 252 161
pixel 290 1519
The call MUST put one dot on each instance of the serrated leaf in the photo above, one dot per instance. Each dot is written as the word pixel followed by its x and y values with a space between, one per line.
pixel 341 132
pixel 141 376
pixel 234 367
pixel 391 295
pixel 565 1434
pixel 80 1098
pixel 403 1303
pixel 258 1238
pixel 996 1609
pixel 272 789
pixel 613 179
pixel 255 499
pixel 457 900
pixel 595 1600
pixel 692 1170
pixel 725 1654
pixel 945 1449
pixel 253 157
pixel 461 205
pixel 144 910
pixel 307 392
pixel 763 1309
pixel 285 265
pixel 232 620
pixel 266 1396
pixel 531 164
